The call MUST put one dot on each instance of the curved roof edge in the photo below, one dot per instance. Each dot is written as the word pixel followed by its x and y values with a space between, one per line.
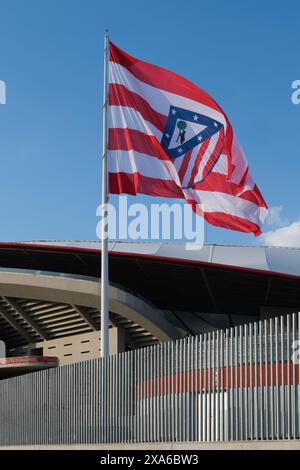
pixel 263 259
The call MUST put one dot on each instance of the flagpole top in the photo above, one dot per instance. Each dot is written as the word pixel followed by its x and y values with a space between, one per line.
pixel 106 39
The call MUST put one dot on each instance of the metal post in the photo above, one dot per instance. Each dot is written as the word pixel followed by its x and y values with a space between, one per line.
pixel 104 233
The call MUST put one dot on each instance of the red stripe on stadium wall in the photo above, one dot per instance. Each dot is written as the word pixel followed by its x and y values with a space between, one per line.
pixel 161 78
pixel 136 183
pixel 189 382
pixel 130 139
pixel 119 95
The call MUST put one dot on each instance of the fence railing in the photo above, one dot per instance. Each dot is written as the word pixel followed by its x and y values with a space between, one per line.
pixel 241 383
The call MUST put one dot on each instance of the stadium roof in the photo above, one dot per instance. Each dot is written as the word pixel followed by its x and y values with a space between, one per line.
pixel 159 291
pixel 283 260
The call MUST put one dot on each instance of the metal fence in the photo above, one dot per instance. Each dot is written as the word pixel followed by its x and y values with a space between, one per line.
pixel 236 384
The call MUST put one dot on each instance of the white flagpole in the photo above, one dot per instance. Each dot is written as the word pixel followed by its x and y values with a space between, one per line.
pixel 104 234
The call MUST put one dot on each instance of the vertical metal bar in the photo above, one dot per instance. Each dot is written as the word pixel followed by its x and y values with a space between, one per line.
pixel 293 401
pixel 135 385
pixel 120 394
pixel 111 385
pixel 169 405
pixel 104 385
pixel 125 403
pixel 205 394
pixel 101 388
pixel 148 394
pixel 282 400
pixel 150 352
pixel 227 415
pixel 132 379
pixel 222 388
pixel 277 388
pixel 261 403
pixel 182 389
pixel 172 401
pixel 232 426
pixel 140 416
pixel 161 393
pixel 251 411
pixel 179 392
pixel 184 385
pixel 187 389
pixel 241 391
pixel 298 377
pixel 209 353
pixel 213 388
pixel 200 400
pixel 246 372
pixel 256 404
pixel 271 378
pixel 136 397
pixel 152 391
pixel 145 395
pixel 106 358
pixel 141 396
pixel 159 374
pixel 160 397
pixel 132 395
pixel 236 364
pixel 110 393
pixel 288 374
pixel 197 418
pixel 219 421
pixel 173 376
pixel 157 395
pixel 177 381
pixel 165 393
pixel 191 419
pixel 113 398
pixel 266 381
pixel 99 431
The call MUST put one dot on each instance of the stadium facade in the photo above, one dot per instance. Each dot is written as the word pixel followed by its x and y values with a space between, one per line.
pixel 49 296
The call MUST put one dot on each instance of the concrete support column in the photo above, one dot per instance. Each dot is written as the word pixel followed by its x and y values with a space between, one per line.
pixel 116 340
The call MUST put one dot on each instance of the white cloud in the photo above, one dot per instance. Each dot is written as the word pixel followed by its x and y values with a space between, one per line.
pixel 274 218
pixel 283 236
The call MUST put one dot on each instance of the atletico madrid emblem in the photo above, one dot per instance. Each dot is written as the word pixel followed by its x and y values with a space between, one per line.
pixel 186 130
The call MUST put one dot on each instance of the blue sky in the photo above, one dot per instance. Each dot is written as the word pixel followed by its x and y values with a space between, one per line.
pixel 245 54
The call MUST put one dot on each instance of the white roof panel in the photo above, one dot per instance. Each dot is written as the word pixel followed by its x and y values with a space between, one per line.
pixel 273 259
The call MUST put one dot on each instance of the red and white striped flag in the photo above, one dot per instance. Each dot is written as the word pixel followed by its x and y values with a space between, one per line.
pixel 169 138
